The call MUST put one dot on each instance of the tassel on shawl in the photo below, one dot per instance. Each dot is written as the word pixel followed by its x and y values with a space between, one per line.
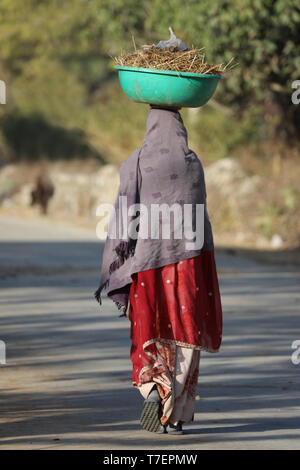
pixel 124 250
pixel 120 307
pixel 97 294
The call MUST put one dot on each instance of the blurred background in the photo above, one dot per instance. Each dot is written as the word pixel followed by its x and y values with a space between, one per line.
pixel 67 126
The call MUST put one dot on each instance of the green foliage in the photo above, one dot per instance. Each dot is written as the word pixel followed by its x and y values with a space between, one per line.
pixel 262 35
pixel 217 134
pixel 268 219
pixel 55 59
pixel 290 197
pixel 32 137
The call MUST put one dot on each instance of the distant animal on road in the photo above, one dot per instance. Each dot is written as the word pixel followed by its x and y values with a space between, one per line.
pixel 42 192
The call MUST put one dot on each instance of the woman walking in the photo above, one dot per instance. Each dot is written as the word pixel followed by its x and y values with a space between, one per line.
pixel 168 284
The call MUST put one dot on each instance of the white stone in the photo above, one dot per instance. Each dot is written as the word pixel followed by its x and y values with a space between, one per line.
pixel 276 241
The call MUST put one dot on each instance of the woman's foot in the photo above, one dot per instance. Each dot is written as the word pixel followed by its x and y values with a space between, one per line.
pixel 150 419
pixel 174 429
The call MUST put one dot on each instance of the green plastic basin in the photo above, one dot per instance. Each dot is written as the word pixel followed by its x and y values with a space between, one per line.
pixel 166 87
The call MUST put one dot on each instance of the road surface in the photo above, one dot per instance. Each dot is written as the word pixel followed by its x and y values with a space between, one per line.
pixel 66 383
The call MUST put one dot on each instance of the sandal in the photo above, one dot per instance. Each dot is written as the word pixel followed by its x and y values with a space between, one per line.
pixel 175 429
pixel 150 418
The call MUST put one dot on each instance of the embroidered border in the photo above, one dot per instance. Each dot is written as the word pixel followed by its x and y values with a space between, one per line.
pixel 168 341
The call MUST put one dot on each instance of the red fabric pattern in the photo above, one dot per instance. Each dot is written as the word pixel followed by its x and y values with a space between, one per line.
pixel 179 303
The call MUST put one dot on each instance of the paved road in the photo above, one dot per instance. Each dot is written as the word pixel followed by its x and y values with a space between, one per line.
pixel 66 384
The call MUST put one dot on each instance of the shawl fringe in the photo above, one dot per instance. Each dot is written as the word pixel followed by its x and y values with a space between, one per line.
pixel 97 294
pixel 120 307
pixel 124 250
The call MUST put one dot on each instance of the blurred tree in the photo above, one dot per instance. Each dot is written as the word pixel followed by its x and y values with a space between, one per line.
pixel 262 35
pixel 52 59
pixel 54 56
pixel 32 137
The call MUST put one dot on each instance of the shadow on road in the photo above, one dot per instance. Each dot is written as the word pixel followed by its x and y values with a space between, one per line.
pixel 67 381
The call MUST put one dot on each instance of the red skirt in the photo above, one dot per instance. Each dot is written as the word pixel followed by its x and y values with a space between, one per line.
pixel 176 304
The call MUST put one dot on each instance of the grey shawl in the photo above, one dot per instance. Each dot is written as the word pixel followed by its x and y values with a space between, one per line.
pixel 163 171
